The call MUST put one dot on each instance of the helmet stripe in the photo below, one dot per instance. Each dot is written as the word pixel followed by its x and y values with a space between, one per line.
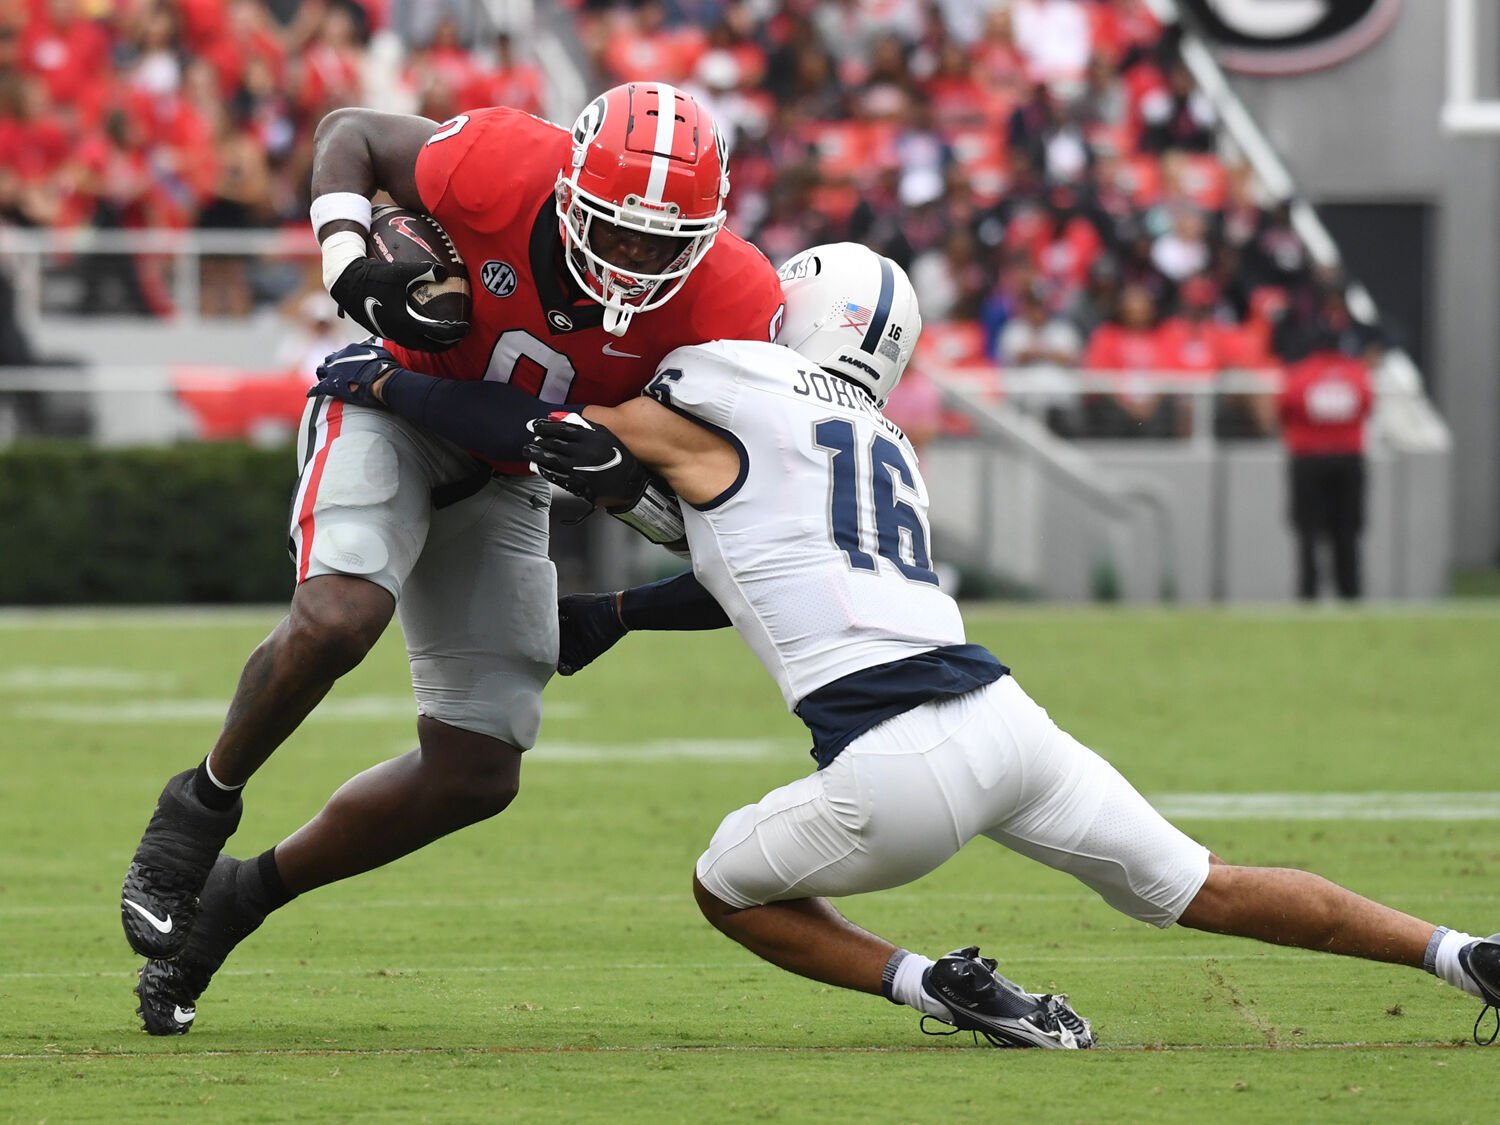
pixel 666 127
pixel 882 307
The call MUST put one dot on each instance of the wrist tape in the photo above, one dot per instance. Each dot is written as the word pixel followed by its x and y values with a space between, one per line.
pixel 656 515
pixel 347 205
pixel 338 251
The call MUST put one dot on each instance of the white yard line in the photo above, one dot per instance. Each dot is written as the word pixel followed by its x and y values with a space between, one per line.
pixel 1329 806
pixel 41 677
pixel 358 707
pixel 137 617
pixel 664 750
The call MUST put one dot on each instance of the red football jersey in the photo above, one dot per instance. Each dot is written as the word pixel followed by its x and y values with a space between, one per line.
pixel 488 177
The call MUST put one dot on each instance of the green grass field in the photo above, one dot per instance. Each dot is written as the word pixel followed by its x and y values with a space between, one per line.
pixel 550 965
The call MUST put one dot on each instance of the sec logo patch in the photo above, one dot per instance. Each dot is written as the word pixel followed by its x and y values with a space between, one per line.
pixel 498 277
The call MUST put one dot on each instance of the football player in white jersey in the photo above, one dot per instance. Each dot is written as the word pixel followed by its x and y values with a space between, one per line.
pixel 806 518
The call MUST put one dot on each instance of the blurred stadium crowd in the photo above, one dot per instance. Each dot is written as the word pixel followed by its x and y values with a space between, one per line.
pixel 1046 170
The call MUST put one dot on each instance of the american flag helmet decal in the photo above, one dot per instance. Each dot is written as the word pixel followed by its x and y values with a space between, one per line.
pixel 856 316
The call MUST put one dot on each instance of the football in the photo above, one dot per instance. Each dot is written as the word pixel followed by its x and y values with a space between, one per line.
pixel 402 235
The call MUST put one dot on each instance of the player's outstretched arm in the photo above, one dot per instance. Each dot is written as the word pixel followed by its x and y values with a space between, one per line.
pixel 590 624
pixel 484 417
pixel 357 152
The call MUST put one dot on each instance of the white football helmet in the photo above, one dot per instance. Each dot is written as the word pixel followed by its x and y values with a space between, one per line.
pixel 853 313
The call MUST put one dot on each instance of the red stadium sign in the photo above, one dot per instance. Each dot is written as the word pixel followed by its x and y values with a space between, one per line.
pixel 1289 36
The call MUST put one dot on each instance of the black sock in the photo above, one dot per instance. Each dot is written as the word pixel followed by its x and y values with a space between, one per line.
pixel 211 794
pixel 273 888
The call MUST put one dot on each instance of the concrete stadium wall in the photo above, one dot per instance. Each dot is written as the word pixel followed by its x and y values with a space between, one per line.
pixel 1224 535
pixel 1368 132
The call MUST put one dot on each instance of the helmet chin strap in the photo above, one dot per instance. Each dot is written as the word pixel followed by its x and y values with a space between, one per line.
pixel 617 320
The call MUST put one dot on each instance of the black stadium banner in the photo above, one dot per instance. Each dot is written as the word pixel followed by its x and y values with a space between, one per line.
pixel 1289 36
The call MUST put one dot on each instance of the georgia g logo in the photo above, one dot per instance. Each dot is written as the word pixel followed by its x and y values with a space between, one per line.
pixel 1290 36
pixel 589 122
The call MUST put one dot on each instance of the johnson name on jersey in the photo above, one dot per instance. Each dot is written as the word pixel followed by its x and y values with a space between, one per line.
pixel 819 551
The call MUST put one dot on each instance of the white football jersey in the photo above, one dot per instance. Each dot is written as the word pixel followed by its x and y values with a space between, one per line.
pixel 819 552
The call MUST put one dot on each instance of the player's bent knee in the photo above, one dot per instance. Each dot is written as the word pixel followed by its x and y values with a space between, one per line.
pixel 479 794
pixel 479 776
pixel 335 621
pixel 1214 906
pixel 715 909
pixel 474 805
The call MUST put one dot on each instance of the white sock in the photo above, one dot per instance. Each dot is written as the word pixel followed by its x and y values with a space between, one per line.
pixel 907 987
pixel 1443 961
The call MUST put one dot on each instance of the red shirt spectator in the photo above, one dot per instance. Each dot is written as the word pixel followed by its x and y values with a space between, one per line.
pixel 957 97
pixel 66 50
pixel 450 62
pixel 33 137
pixel 1118 347
pixel 509 82
pixel 998 62
pixel 646 49
pixel 1324 404
pixel 1121 25
pixel 202 22
pixel 1062 243
pixel 331 66
pixel 1190 346
pixel 250 34
pixel 110 167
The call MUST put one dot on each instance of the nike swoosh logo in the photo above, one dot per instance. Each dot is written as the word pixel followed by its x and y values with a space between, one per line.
pixel 164 925
pixel 610 464
pixel 184 1015
pixel 371 304
pixel 357 357
pixel 609 349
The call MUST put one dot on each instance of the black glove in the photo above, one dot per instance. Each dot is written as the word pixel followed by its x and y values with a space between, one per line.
pixel 349 374
pixel 374 294
pixel 587 460
pixel 588 625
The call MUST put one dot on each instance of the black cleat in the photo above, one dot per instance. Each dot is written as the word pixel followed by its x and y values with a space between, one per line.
pixel 168 1004
pixel 1481 960
pixel 980 1000
pixel 227 914
pixel 176 852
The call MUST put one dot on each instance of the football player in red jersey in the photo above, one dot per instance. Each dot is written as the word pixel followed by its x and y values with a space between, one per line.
pixel 592 253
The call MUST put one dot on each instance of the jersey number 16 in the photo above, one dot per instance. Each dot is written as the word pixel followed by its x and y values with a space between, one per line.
pixel 900 534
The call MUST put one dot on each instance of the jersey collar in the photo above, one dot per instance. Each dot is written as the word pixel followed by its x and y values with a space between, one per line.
pixel 565 307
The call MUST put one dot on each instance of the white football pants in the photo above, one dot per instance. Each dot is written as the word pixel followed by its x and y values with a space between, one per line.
pixel 904 797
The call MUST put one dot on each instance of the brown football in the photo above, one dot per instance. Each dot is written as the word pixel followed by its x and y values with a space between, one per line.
pixel 402 235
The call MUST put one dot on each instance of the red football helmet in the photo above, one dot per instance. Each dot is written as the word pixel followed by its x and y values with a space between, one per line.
pixel 648 161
